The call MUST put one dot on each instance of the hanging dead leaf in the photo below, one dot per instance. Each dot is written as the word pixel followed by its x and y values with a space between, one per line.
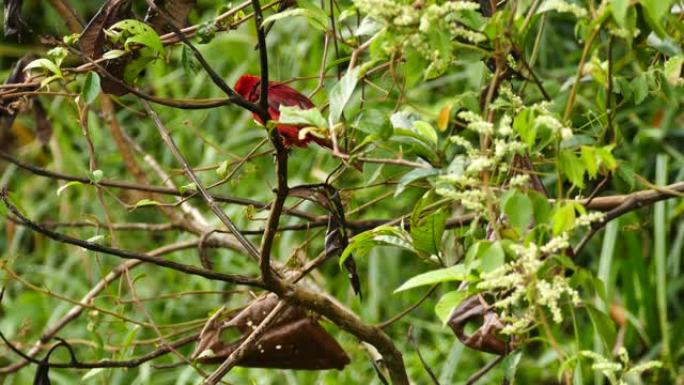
pixel 486 337
pixel 294 341
pixel 177 9
pixel 94 43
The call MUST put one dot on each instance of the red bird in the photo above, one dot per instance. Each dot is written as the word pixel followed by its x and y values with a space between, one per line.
pixel 280 94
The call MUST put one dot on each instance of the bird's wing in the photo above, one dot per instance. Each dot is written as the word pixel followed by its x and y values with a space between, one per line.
pixel 282 94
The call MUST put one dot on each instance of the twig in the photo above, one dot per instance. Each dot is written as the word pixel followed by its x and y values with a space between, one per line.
pixel 75 311
pixel 168 140
pixel 188 269
pixel 484 370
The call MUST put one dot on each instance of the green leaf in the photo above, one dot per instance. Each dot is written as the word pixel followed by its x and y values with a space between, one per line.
pixel 519 209
pixel 45 65
pixel 137 32
pixel 446 305
pixel 136 66
pixel 524 125
pixel 91 87
pixel 295 115
pixel 588 155
pixel 572 167
pixel 449 274
pixel 222 169
pixel 655 11
pixel 425 131
pixel 542 207
pixel 67 185
pixel 363 243
pixel 413 176
pixel 605 154
pixel 563 218
pixel 485 255
pixel 341 93
pixel 640 88
pixel 113 54
pixel 673 69
pixel 426 233
pixel 318 20
pixel 146 203
pixel 603 325
pixel 619 10
pixel 187 187
pixel 510 365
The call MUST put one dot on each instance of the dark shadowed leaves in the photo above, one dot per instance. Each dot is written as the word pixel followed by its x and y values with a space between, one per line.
pixel 178 10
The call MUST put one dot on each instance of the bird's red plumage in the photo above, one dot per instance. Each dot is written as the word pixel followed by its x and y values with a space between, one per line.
pixel 279 94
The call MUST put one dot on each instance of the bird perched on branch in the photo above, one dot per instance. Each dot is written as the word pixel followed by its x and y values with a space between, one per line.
pixel 280 94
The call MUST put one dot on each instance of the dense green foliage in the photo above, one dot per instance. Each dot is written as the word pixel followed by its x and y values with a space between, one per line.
pixel 444 107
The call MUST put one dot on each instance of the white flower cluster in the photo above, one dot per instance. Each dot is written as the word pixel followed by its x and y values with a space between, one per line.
pixel 474 200
pixel 476 123
pixel 564 7
pixel 618 372
pixel 549 295
pixel 555 125
pixel 437 12
pixel 589 218
pixel 519 279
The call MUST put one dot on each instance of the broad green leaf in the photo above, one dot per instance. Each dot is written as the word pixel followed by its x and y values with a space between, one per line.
pixel 563 218
pixel 640 88
pixel 341 93
pixel 588 155
pixel 136 66
pixel 524 125
pixel 449 274
pixel 426 233
pixel 425 131
pixel 137 32
pixel 446 305
pixel 542 207
pixel 619 10
pixel 603 325
pixel 374 122
pixel 572 167
pixel 361 244
pixel 295 115
pixel 91 87
pixel 655 11
pixel 519 209
pixel 486 256
pixel 605 154
pixel 45 65
pixel 317 20
pixel 510 365
pixel 413 176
